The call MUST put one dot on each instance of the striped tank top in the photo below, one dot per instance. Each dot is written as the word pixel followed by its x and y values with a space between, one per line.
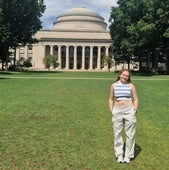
pixel 122 91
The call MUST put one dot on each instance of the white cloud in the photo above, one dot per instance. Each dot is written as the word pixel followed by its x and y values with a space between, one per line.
pixel 57 7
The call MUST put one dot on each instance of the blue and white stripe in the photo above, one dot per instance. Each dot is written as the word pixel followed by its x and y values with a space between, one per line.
pixel 122 91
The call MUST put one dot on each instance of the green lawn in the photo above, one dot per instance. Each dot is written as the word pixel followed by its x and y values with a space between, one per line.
pixel 60 121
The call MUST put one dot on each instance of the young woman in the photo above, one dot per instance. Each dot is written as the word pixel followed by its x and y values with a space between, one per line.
pixel 123 104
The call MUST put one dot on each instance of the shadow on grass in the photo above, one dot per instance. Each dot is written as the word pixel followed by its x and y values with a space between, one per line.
pixel 39 72
pixel 137 150
pixel 4 78
pixel 5 72
pixel 138 73
pixel 147 74
pixel 28 72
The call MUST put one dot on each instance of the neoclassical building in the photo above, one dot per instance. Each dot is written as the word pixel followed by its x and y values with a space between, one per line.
pixel 78 40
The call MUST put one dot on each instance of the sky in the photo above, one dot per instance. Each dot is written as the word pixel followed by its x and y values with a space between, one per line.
pixel 54 8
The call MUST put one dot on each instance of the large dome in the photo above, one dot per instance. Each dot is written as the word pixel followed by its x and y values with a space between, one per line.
pixel 80 18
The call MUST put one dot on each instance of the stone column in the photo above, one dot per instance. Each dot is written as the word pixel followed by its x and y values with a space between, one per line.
pixel 91 58
pixel 26 52
pixel 107 54
pixel 17 54
pixel 43 54
pixel 107 51
pixel 51 50
pixel 67 57
pixel 59 56
pixel 83 58
pixel 99 58
pixel 44 50
pixel 75 58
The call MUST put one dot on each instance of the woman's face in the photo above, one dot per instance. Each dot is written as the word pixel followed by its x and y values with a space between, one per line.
pixel 124 76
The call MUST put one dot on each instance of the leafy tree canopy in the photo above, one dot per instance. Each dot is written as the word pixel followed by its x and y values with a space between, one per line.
pixel 19 20
pixel 141 28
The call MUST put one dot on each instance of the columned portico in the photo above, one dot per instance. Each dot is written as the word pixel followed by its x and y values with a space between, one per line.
pixel 76 57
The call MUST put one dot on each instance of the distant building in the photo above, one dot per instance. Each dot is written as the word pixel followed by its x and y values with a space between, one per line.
pixel 79 39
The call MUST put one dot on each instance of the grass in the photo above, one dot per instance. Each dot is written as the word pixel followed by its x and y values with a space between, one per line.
pixel 61 121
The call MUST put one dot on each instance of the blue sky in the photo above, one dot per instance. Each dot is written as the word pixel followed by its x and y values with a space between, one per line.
pixel 56 7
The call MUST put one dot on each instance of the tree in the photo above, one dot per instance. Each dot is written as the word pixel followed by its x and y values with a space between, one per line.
pixel 49 61
pixel 27 63
pixel 141 28
pixel 20 20
pixel 4 35
pixel 108 61
pixel 55 63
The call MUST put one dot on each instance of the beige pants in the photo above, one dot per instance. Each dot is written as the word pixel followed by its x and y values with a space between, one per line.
pixel 124 117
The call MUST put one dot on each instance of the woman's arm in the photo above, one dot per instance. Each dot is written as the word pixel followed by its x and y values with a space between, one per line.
pixel 111 97
pixel 134 96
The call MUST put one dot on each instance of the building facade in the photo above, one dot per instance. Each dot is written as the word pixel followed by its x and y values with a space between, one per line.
pixel 78 40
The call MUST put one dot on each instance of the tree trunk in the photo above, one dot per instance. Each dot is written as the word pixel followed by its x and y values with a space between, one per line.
pixel 154 61
pixel 3 65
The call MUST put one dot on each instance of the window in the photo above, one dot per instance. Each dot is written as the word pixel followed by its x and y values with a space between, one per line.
pixel 29 47
pixel 22 47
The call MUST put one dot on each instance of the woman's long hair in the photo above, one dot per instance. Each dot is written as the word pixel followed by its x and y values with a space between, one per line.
pixel 120 72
